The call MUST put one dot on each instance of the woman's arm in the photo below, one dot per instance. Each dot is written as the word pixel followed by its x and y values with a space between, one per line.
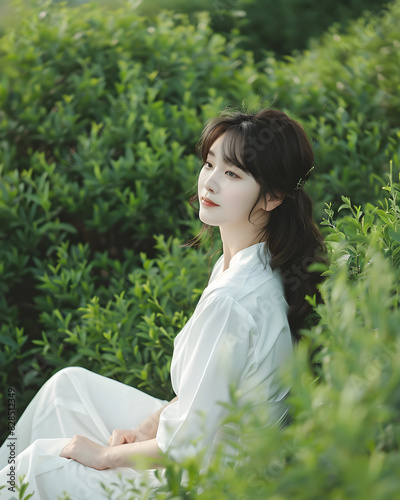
pixel 141 455
pixel 143 432
pixel 135 448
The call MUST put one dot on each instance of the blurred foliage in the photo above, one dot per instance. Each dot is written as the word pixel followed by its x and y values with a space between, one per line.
pixel 344 90
pixel 267 25
pixel 100 110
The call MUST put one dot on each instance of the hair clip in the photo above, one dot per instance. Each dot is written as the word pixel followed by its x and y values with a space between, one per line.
pixel 302 180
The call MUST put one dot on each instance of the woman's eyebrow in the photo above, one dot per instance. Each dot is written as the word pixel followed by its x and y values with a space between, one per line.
pixel 211 153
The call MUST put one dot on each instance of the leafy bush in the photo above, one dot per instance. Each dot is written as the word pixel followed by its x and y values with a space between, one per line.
pixel 343 90
pixel 265 25
pixel 126 330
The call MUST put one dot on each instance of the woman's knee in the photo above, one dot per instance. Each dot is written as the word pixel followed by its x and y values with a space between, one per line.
pixel 68 373
pixel 45 447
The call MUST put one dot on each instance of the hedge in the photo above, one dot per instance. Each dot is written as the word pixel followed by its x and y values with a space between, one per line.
pixel 266 25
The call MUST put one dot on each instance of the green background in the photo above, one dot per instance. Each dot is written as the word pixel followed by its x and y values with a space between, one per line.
pixel 101 106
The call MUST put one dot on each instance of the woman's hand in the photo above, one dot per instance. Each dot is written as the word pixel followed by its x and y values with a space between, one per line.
pixel 87 452
pixel 122 437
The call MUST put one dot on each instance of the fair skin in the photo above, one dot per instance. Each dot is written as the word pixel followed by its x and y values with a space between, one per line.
pixel 126 448
pixel 226 195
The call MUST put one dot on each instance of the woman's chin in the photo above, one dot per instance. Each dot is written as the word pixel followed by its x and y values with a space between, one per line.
pixel 207 220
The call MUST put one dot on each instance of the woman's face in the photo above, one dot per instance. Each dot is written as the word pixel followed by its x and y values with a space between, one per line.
pixel 226 193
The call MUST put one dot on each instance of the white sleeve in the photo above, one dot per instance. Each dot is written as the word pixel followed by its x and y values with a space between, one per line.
pixel 213 358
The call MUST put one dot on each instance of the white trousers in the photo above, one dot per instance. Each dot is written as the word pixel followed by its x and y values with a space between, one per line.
pixel 73 401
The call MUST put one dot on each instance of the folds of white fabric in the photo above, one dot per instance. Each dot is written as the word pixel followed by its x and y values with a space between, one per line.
pixel 73 401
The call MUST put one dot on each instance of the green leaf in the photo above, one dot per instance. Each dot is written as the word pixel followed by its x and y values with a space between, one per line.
pixel 394 235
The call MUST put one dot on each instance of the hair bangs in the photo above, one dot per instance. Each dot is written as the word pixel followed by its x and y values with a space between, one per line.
pixel 233 147
pixel 234 144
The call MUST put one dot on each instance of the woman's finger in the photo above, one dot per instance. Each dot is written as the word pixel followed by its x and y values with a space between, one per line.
pixel 119 437
pixel 115 438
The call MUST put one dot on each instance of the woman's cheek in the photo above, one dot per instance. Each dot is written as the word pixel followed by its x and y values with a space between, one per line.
pixel 238 198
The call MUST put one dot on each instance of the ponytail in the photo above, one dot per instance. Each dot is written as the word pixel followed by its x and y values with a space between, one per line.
pixel 295 243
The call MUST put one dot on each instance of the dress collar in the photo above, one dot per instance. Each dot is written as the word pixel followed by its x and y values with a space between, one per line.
pixel 240 258
pixel 246 254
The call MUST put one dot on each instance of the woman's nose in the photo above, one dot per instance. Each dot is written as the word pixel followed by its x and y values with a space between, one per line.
pixel 211 182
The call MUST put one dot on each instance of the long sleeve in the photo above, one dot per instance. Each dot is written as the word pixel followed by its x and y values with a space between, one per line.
pixel 209 356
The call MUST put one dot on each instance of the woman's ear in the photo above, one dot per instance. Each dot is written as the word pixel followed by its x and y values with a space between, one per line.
pixel 271 202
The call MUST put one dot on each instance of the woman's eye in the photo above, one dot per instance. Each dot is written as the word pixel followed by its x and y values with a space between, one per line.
pixel 229 173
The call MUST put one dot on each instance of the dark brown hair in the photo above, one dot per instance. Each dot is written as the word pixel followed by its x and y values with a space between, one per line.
pixel 276 151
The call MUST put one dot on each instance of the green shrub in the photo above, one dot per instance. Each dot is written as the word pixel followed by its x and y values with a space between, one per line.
pixel 343 90
pixel 265 25
pixel 126 330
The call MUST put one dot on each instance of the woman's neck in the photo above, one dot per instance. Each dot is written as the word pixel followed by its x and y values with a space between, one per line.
pixel 231 246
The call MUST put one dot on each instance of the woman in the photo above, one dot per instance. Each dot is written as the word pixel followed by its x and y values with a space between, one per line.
pixel 241 332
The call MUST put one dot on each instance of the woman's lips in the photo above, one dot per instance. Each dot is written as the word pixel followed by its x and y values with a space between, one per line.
pixel 208 203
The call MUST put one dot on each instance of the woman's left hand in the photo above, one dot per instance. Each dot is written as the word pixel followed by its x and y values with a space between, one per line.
pixel 86 452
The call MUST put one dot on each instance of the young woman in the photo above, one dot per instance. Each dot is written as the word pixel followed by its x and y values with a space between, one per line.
pixel 241 332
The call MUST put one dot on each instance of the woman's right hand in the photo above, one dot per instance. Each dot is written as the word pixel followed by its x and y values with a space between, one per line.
pixel 143 432
pixel 120 436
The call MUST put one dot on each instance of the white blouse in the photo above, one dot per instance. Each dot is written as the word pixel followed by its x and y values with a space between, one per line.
pixel 238 336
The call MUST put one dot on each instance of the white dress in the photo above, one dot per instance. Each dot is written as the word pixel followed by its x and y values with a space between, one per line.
pixel 238 337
